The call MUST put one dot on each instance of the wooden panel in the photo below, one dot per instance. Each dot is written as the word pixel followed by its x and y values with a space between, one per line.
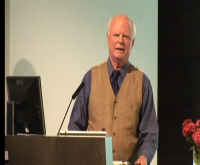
pixel 178 4
pixel 178 33
pixel 170 33
pixel 169 80
pixel 191 4
pixel 49 150
pixel 170 119
pixel 175 158
pixel 178 77
pixel 169 4
pixel 191 80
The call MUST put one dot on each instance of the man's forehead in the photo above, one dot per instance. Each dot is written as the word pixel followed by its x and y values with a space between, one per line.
pixel 120 27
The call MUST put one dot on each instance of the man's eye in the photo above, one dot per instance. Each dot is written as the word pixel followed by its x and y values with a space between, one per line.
pixel 127 37
pixel 116 35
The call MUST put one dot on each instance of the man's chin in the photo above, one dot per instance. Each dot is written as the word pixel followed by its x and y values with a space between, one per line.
pixel 119 57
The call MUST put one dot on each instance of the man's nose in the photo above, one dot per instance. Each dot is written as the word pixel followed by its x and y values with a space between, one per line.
pixel 121 39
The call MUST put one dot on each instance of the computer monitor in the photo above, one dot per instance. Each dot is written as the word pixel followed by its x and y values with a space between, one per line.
pixel 25 99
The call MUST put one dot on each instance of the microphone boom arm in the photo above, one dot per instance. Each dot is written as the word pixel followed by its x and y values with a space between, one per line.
pixel 73 97
pixel 64 117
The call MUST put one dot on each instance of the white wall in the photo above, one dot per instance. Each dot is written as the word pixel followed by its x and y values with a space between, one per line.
pixel 7 48
pixel 60 40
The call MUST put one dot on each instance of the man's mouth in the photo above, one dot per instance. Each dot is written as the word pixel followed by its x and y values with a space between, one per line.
pixel 120 49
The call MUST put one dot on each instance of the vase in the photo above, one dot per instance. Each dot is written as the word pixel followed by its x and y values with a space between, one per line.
pixel 196 155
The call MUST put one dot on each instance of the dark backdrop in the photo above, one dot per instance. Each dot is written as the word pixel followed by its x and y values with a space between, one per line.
pixel 178 77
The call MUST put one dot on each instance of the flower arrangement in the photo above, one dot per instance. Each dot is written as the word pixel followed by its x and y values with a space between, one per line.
pixel 191 131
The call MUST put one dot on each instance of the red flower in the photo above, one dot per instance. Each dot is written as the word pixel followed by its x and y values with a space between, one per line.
pixel 198 123
pixel 196 138
pixel 191 132
pixel 186 122
pixel 188 130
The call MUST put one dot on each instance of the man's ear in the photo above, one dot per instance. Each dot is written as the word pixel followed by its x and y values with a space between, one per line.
pixel 107 37
pixel 133 41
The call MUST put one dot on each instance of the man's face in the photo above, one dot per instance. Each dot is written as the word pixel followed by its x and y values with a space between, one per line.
pixel 120 40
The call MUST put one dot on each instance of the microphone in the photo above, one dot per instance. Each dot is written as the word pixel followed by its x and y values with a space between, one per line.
pixel 73 97
pixel 78 90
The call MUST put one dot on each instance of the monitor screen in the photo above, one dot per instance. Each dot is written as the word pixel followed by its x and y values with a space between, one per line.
pixel 25 94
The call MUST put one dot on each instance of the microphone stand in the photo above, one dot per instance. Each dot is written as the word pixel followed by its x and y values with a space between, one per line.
pixel 73 97
pixel 64 116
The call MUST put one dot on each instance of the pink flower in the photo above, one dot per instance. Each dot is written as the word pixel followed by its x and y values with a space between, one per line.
pixel 198 123
pixel 186 122
pixel 188 129
pixel 196 137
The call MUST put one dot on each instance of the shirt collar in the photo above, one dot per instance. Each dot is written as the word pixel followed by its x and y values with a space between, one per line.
pixel 123 70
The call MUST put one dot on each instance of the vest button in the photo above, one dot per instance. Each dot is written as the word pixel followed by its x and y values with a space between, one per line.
pixel 114 134
pixel 115 117
pixel 113 151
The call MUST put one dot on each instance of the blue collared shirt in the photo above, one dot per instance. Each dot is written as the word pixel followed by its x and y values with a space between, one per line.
pixel 148 125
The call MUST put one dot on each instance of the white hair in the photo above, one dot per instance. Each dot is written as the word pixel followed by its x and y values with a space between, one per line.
pixel 131 21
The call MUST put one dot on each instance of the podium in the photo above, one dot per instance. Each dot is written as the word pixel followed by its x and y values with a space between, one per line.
pixel 58 150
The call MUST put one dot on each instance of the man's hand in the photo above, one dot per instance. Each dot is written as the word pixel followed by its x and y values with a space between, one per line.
pixel 141 161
